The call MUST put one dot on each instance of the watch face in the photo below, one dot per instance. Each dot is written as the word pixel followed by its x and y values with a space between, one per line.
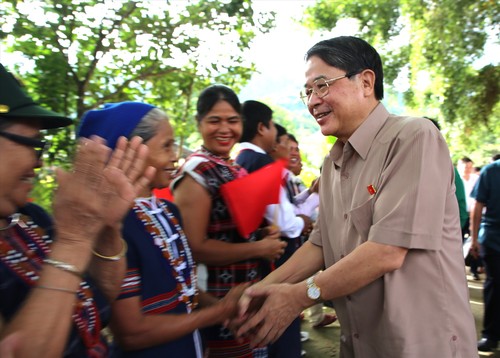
pixel 313 293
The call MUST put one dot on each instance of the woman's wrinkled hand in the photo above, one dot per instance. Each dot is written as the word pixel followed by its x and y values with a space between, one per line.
pixel 126 176
pixel 101 187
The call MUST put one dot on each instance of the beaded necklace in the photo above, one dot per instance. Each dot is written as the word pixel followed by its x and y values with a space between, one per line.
pixel 22 249
pixel 158 221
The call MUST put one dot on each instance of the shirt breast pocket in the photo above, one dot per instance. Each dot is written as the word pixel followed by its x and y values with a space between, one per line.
pixel 362 218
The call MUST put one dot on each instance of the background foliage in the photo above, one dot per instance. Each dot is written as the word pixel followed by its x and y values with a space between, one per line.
pixel 435 48
pixel 85 53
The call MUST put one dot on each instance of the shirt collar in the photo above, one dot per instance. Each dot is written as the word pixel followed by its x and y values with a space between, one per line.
pixel 362 138
pixel 251 146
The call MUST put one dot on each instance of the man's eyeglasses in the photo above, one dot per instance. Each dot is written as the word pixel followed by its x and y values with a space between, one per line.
pixel 38 145
pixel 321 87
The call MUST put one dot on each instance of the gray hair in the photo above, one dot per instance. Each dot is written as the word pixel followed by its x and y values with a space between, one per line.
pixel 148 125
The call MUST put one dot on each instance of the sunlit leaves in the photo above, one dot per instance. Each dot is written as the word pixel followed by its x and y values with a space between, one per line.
pixel 86 53
pixel 434 46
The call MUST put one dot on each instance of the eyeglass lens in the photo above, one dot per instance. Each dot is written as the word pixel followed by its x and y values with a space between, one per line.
pixel 321 87
pixel 37 144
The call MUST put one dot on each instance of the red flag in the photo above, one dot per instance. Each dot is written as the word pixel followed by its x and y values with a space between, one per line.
pixel 248 197
pixel 164 193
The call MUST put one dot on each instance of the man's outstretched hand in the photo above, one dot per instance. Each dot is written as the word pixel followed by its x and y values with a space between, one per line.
pixel 265 313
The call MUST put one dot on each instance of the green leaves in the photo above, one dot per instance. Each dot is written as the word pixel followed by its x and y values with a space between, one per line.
pixel 86 53
pixel 434 46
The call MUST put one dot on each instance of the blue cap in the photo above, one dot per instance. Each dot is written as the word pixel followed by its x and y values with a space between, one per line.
pixel 113 121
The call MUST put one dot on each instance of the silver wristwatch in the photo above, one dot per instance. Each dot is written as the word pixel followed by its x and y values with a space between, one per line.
pixel 313 290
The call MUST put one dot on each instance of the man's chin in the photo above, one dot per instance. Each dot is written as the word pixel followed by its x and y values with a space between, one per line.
pixel 327 131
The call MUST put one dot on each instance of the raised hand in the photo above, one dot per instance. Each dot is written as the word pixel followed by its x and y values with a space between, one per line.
pixel 78 207
pixel 126 176
pixel 100 189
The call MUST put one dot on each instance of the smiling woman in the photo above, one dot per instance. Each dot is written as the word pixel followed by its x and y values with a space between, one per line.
pixel 51 299
pixel 229 259
pixel 159 310
pixel 20 159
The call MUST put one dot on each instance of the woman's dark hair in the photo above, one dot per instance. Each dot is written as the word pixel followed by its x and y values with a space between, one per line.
pixel 211 95
pixel 352 55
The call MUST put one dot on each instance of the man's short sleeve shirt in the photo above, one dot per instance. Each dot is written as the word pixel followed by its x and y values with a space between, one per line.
pixel 392 183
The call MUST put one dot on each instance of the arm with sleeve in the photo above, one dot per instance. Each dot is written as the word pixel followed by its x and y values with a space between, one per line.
pixel 284 217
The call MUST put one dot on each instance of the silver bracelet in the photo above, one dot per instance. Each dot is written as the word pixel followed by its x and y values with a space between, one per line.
pixel 64 266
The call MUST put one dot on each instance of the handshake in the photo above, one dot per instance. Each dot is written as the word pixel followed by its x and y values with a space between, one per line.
pixel 259 314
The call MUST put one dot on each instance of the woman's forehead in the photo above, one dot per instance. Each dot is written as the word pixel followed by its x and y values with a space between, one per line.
pixel 24 123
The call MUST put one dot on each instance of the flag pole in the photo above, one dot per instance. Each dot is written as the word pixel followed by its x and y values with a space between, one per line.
pixel 276 215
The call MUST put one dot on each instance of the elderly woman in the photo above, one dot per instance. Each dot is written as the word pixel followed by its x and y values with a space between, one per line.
pixel 155 314
pixel 213 237
pixel 48 301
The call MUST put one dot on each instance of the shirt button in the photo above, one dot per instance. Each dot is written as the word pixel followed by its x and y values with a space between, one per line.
pixel 345 175
pixel 345 216
pixel 356 335
pixel 342 256
pixel 454 338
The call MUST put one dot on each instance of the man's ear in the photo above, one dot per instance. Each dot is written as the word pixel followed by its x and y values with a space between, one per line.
pixel 261 128
pixel 367 78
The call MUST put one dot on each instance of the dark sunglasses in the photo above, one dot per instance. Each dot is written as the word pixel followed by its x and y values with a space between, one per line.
pixel 38 145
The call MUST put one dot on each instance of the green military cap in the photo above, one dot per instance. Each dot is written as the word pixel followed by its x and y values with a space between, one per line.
pixel 15 104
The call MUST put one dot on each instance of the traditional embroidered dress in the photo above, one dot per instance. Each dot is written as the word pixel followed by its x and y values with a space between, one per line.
pixel 211 172
pixel 22 250
pixel 160 271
